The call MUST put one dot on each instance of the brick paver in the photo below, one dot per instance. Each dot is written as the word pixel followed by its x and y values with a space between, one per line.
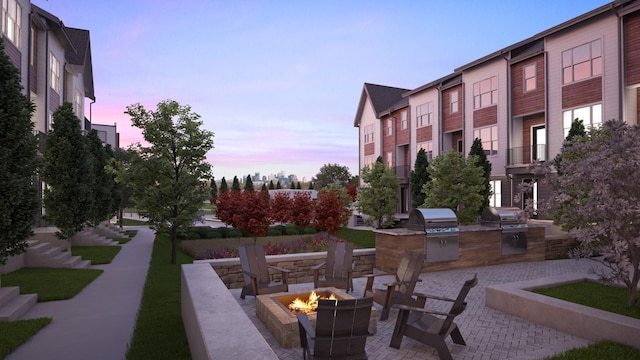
pixel 489 334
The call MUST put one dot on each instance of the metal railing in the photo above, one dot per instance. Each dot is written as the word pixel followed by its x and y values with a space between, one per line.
pixel 527 154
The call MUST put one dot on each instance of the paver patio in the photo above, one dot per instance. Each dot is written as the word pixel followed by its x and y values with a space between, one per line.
pixel 490 334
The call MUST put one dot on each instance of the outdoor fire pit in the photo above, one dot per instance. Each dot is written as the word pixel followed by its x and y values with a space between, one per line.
pixel 273 310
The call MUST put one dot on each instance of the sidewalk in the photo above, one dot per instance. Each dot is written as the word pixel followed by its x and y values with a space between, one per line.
pixel 98 322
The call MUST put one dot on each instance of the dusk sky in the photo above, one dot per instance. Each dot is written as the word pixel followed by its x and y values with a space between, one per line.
pixel 278 82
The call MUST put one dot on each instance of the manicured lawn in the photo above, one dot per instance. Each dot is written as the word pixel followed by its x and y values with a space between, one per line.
pixel 97 254
pixel 159 333
pixel 132 222
pixel 601 350
pixel 20 331
pixel 49 283
pixel 609 298
pixel 361 239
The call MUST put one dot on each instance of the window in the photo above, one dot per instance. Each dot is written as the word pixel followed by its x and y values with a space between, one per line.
pixel 102 135
pixel 368 160
pixel 485 92
pixel 11 20
pixel 489 138
pixel 453 102
pixel 389 127
pixel 389 159
pixel 403 120
pixel 529 75
pixel 368 134
pixel 424 114
pixel 78 105
pixel 496 197
pixel 582 62
pixel 428 148
pixel 54 67
pixel 591 116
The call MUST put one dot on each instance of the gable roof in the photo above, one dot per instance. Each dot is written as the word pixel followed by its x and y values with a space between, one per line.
pixel 382 98
pixel 82 57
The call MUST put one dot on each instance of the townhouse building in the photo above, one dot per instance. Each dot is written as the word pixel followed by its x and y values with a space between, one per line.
pixel 519 100
pixel 55 65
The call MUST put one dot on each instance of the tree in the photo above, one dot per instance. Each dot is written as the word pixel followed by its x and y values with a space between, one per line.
pixel 264 187
pixel 223 185
pixel 298 186
pixel 235 186
pixel 251 214
pixel 102 184
pixel 378 197
pixel 576 131
pixel 213 190
pixel 169 177
pixel 478 151
pixel 598 200
pixel 68 174
pixel 116 190
pixel 456 183
pixel 310 186
pixel 302 209
pixel 332 174
pixel 278 186
pixel 271 186
pixel 292 186
pixel 418 178
pixel 18 162
pixel 331 210
pixel 248 185
pixel 280 205
pixel 120 167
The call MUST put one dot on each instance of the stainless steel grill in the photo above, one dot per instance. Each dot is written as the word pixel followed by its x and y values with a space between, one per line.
pixel 442 232
pixel 512 222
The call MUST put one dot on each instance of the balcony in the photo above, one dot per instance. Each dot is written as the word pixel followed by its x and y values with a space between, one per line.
pixel 525 155
pixel 402 173
pixel 42 137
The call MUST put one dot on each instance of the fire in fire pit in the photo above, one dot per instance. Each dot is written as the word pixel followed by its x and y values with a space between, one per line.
pixel 310 305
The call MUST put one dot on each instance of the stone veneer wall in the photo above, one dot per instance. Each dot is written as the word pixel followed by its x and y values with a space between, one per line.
pixel 230 272
pixel 558 246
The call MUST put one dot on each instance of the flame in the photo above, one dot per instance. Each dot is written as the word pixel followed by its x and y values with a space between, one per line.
pixel 300 306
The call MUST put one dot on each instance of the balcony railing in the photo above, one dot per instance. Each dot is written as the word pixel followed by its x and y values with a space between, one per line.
pixel 402 172
pixel 527 154
pixel 42 137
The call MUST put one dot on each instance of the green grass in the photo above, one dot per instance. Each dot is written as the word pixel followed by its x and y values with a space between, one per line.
pixel 97 254
pixel 601 350
pixel 122 240
pixel 20 331
pixel 159 332
pixel 132 222
pixel 608 298
pixel 131 233
pixel 361 239
pixel 50 284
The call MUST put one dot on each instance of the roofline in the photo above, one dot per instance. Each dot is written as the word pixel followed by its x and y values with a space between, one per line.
pixel 57 26
pixel 434 83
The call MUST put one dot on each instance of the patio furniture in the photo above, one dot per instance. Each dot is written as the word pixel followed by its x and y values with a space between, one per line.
pixel 401 290
pixel 338 268
pixel 341 329
pixel 432 327
pixel 255 270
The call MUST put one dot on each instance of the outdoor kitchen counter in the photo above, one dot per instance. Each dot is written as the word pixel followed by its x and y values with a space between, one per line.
pixel 479 245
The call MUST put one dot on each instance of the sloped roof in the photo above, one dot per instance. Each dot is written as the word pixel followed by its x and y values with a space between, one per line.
pixel 382 98
pixel 82 57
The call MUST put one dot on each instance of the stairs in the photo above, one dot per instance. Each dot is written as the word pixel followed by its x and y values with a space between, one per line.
pixel 88 237
pixel 43 254
pixel 13 305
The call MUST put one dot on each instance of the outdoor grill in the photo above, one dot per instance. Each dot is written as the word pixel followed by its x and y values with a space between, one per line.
pixel 442 232
pixel 514 228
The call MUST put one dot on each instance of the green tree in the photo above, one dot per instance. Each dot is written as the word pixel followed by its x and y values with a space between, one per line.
pixel 213 190
pixel 102 185
pixel 120 167
pixel 378 197
pixel 67 168
pixel 264 187
pixel 298 186
pixel 223 185
pixel 456 183
pixel 116 191
pixel 168 180
pixel 248 185
pixel 18 162
pixel 235 186
pixel 577 130
pixel 478 151
pixel 418 178
pixel 278 185
pixel 271 186
pixel 332 174
pixel 310 186
pixel 292 186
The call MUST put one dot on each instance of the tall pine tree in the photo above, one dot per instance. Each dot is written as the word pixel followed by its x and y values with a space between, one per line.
pixel 476 149
pixel 248 185
pixel 235 186
pixel 18 162
pixel 419 177
pixel 223 185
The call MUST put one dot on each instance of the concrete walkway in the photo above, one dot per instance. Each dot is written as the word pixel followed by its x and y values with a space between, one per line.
pixel 98 322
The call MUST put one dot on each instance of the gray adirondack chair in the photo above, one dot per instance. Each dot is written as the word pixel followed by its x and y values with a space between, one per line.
pixel 401 290
pixel 255 270
pixel 338 268
pixel 341 331
pixel 432 327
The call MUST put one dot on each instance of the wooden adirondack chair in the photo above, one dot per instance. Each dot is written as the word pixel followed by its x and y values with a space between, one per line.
pixel 432 327
pixel 341 329
pixel 401 290
pixel 256 272
pixel 338 269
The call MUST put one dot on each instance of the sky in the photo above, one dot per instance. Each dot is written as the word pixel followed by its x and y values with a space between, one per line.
pixel 278 82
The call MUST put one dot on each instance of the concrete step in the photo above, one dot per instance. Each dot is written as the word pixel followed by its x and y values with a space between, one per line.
pixel 8 293
pixel 16 305
pixel 71 262
pixel 84 264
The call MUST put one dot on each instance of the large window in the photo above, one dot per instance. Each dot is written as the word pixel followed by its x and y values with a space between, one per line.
pixel 389 127
pixel 496 197
pixel 368 134
pixel 11 20
pixel 55 73
pixel 489 138
pixel 424 114
pixel 389 159
pixel 582 62
pixel 403 120
pixel 78 104
pixel 428 148
pixel 369 160
pixel 591 116
pixel 453 102
pixel 530 78
pixel 485 92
